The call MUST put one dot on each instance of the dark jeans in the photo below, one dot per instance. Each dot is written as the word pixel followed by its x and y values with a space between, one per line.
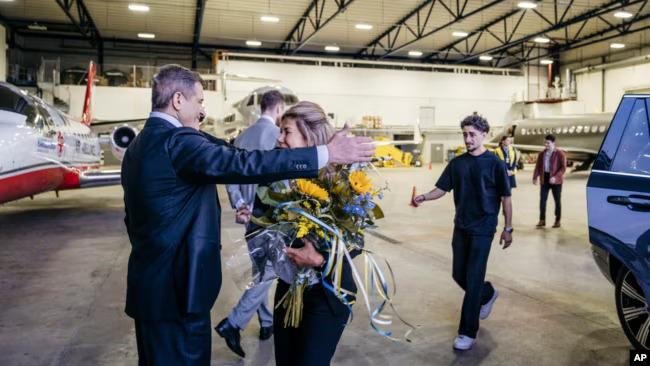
pixel 186 341
pixel 556 189
pixel 314 342
pixel 470 262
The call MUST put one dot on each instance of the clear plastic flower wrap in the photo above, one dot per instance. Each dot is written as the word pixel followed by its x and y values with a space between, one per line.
pixel 265 254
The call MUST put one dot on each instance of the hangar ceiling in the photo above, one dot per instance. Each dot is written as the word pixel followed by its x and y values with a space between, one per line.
pixel 505 32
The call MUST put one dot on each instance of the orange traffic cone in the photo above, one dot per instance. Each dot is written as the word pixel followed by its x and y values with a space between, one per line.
pixel 413 198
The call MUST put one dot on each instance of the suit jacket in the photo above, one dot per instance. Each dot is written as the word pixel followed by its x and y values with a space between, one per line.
pixel 262 135
pixel 173 213
pixel 557 169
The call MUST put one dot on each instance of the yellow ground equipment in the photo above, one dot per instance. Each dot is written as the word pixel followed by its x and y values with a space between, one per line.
pixel 390 156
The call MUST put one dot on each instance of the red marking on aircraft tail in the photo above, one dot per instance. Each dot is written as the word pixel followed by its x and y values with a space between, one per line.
pixel 86 114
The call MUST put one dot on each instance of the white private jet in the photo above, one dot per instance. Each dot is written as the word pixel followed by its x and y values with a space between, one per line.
pixel 43 149
pixel 245 112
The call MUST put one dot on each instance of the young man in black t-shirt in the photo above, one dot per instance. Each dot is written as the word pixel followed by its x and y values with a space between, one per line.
pixel 480 184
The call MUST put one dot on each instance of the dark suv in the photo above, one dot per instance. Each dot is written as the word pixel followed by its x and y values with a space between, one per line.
pixel 618 200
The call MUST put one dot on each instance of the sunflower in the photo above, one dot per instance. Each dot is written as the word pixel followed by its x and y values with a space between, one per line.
pixel 360 182
pixel 311 189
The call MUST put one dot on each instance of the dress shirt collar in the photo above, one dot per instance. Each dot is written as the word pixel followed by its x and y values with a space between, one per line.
pixel 267 118
pixel 169 118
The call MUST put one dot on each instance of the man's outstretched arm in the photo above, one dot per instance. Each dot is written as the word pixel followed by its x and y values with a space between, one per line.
pixel 429 196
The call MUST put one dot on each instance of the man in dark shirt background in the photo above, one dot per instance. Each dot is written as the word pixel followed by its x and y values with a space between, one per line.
pixel 480 184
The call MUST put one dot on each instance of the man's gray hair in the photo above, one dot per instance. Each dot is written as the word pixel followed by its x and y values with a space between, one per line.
pixel 171 79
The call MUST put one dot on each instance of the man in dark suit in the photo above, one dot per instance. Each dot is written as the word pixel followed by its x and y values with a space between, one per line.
pixel 169 174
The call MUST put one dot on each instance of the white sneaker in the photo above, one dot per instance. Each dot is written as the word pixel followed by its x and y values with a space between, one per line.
pixel 487 308
pixel 463 342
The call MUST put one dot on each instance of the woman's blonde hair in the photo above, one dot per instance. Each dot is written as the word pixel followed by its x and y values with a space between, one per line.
pixel 312 122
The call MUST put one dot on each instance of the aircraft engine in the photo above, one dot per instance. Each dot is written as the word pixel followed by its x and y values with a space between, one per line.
pixel 121 137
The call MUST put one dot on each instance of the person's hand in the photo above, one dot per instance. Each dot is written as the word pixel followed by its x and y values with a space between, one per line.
pixel 243 214
pixel 552 180
pixel 506 239
pixel 306 256
pixel 418 200
pixel 534 181
pixel 344 149
pixel 510 173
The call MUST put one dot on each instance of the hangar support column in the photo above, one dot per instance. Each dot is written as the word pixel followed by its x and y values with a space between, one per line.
pixel 3 53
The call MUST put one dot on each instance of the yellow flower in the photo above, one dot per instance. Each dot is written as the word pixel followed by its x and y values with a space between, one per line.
pixel 360 182
pixel 311 189
pixel 304 227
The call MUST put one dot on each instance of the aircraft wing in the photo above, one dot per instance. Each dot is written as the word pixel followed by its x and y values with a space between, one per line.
pixel 540 148
pixel 99 178
pixel 568 149
pixel 137 121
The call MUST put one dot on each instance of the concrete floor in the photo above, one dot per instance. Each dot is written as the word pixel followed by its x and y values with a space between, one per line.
pixel 63 271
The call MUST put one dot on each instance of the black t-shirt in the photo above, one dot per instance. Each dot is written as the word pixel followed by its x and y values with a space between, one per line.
pixel 478 183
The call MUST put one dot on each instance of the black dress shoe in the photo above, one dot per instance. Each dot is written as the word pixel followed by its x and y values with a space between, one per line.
pixel 266 333
pixel 231 335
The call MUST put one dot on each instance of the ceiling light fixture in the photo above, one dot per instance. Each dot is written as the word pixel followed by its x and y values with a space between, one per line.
pixel 459 34
pixel 541 40
pixel 485 58
pixel 269 19
pixel 546 62
pixel 527 5
pixel 415 53
pixel 37 27
pixel 617 45
pixel 253 43
pixel 146 35
pixel 139 7
pixel 622 14
pixel 332 48
pixel 363 26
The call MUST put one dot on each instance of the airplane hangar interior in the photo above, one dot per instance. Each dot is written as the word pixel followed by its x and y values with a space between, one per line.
pixel 324 182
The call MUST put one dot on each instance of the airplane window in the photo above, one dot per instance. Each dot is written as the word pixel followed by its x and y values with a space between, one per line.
pixel 54 116
pixel 251 100
pixel 45 116
pixel 565 130
pixel 572 129
pixel 594 129
pixel 633 155
pixel 579 129
pixel 12 101
pixel 548 130
pixel 586 129
pixel 523 131
pixel 602 129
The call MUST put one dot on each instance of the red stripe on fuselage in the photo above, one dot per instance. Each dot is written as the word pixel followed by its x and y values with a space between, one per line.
pixel 39 181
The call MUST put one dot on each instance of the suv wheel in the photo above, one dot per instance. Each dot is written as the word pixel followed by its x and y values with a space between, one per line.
pixel 632 309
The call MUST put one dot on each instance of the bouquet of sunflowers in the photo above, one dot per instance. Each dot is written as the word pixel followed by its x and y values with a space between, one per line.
pixel 332 212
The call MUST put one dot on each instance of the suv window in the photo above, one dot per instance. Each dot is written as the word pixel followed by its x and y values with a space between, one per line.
pixel 633 155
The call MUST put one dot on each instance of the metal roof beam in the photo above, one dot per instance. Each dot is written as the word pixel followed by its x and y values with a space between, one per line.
pixel 312 21
pixel 386 43
pixel 80 17
pixel 478 33
pixel 198 22
pixel 589 39
pixel 590 14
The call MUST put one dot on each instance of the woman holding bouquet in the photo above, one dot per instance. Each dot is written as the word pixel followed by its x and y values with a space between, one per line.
pixel 324 316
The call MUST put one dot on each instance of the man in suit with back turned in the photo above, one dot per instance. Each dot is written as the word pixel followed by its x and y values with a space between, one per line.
pixel 169 174
pixel 261 135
